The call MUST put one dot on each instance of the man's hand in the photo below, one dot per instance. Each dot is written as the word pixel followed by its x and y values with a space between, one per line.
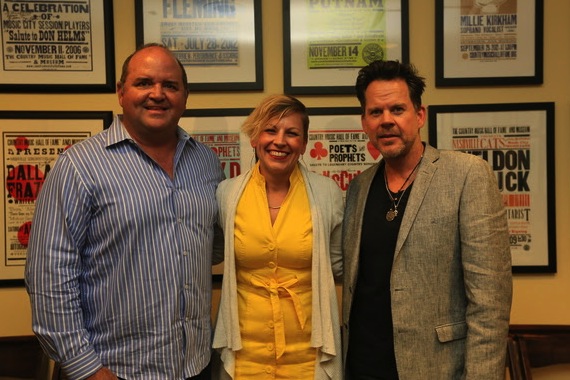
pixel 103 374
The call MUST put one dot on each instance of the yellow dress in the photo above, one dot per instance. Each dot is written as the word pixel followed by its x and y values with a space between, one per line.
pixel 273 269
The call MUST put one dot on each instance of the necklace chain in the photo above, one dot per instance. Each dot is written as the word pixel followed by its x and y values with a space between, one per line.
pixel 393 211
pixel 274 208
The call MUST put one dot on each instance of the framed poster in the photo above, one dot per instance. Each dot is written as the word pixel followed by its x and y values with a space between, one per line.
pixel 517 140
pixel 31 143
pixel 57 46
pixel 218 42
pixel 488 42
pixel 325 43
pixel 337 147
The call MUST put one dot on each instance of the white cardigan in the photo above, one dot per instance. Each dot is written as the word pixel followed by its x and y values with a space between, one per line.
pixel 327 207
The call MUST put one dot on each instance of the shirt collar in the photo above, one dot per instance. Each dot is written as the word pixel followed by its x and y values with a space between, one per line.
pixel 117 133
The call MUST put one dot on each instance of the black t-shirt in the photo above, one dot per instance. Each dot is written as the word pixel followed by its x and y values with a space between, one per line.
pixel 371 337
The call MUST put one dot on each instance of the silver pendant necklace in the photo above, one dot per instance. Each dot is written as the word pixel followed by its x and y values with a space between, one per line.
pixel 393 211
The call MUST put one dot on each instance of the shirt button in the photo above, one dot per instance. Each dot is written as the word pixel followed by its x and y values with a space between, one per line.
pixel 271 246
pixel 270 324
pixel 271 265
pixel 270 347
pixel 268 369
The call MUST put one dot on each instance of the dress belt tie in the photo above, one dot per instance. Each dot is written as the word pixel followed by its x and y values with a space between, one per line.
pixel 279 329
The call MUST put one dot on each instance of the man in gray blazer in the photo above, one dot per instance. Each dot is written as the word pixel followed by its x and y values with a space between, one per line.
pixel 427 267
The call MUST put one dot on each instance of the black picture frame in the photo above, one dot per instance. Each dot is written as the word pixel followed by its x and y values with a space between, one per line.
pixel 244 73
pixel 505 135
pixel 472 51
pixel 73 53
pixel 37 125
pixel 339 79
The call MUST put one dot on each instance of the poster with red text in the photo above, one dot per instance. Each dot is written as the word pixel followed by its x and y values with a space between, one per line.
pixel 338 148
pixel 517 142
pixel 30 148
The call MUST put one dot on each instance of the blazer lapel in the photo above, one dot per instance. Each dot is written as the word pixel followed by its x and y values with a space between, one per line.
pixel 353 228
pixel 421 185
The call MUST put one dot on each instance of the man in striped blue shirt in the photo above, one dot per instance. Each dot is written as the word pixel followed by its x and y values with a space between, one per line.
pixel 120 252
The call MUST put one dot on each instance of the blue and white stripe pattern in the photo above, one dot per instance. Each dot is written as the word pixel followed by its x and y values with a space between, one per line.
pixel 119 259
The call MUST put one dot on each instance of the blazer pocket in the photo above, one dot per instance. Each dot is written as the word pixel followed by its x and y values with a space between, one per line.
pixel 451 331
pixel 444 219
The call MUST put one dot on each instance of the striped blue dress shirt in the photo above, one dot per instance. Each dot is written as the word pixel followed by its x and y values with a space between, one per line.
pixel 119 258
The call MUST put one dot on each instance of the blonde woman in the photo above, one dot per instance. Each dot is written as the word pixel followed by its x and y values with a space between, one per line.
pixel 278 314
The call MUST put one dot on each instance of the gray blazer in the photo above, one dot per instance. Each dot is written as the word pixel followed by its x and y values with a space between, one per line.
pixel 451 283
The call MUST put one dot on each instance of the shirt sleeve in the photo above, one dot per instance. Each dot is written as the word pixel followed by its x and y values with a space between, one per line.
pixel 53 270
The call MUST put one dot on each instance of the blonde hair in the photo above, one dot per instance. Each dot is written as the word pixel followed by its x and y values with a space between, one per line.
pixel 274 106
